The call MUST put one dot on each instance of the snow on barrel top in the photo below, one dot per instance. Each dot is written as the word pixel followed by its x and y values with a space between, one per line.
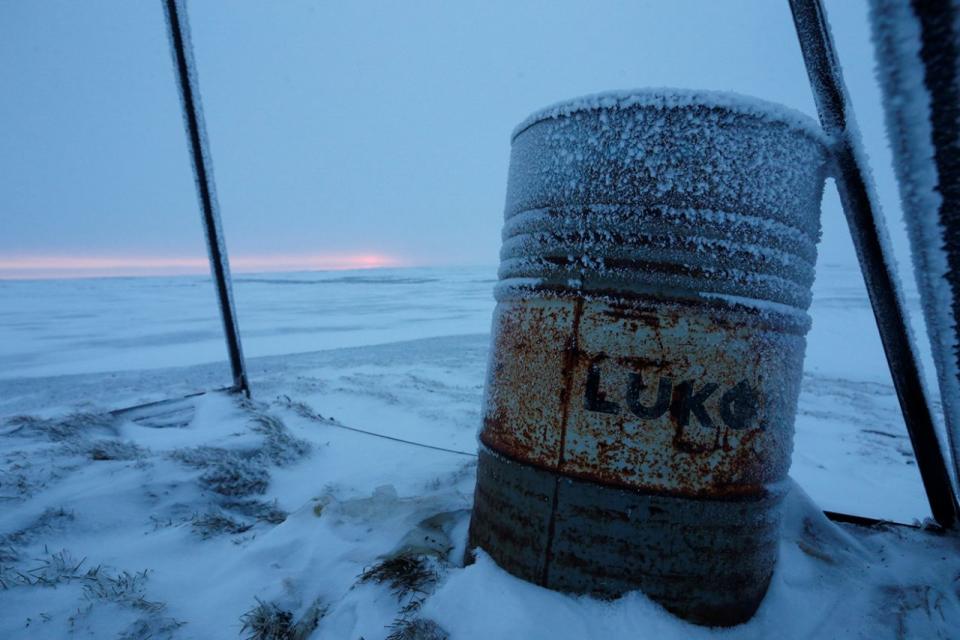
pixel 717 193
pixel 671 98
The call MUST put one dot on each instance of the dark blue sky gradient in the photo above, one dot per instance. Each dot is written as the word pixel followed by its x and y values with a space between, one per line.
pixel 351 127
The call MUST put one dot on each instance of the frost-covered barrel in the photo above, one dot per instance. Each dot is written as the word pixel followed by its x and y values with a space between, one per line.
pixel 656 268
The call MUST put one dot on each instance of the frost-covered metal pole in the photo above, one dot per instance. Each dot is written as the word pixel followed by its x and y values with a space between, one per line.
pixel 186 71
pixel 918 60
pixel 869 239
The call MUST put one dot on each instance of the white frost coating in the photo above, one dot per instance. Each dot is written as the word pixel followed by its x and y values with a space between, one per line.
pixel 702 279
pixel 661 188
pixel 896 36
pixel 527 242
pixel 214 225
pixel 530 283
pixel 668 97
pixel 759 305
pixel 746 229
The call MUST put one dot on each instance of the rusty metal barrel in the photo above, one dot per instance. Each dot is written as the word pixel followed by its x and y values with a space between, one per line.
pixel 656 269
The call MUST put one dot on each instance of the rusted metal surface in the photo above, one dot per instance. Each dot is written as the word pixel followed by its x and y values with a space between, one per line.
pixel 706 560
pixel 647 351
pixel 678 399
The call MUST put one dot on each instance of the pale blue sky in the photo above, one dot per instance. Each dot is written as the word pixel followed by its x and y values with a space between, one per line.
pixel 352 127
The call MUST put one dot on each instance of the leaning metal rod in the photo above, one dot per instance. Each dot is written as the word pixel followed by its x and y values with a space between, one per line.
pixel 862 212
pixel 179 30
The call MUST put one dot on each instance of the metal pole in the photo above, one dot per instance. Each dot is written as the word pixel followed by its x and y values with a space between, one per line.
pixel 866 226
pixel 917 44
pixel 179 31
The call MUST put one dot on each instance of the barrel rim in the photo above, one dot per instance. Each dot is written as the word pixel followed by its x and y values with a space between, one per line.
pixel 764 315
pixel 675 98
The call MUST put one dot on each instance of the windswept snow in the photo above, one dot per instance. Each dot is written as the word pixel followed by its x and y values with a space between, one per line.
pixel 117 525
pixel 178 520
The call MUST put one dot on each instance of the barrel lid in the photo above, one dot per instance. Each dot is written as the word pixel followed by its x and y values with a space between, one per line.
pixel 671 98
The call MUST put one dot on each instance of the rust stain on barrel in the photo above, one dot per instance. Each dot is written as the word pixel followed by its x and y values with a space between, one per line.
pixel 553 380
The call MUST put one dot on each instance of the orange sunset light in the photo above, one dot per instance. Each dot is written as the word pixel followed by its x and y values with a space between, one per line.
pixel 32 267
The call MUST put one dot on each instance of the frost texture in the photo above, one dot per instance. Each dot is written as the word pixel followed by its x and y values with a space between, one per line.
pixel 71 428
pixel 219 259
pixel 692 192
pixel 235 477
pixel 418 629
pixel 673 98
pixel 242 472
pixel 896 36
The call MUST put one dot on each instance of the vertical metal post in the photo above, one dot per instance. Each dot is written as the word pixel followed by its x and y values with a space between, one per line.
pixel 917 44
pixel 866 226
pixel 181 47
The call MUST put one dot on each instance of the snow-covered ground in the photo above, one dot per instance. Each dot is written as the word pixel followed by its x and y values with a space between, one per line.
pixel 175 520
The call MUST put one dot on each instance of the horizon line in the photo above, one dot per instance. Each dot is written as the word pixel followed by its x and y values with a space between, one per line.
pixel 51 267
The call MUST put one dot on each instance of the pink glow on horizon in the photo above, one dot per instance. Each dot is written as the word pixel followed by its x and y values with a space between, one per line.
pixel 50 267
